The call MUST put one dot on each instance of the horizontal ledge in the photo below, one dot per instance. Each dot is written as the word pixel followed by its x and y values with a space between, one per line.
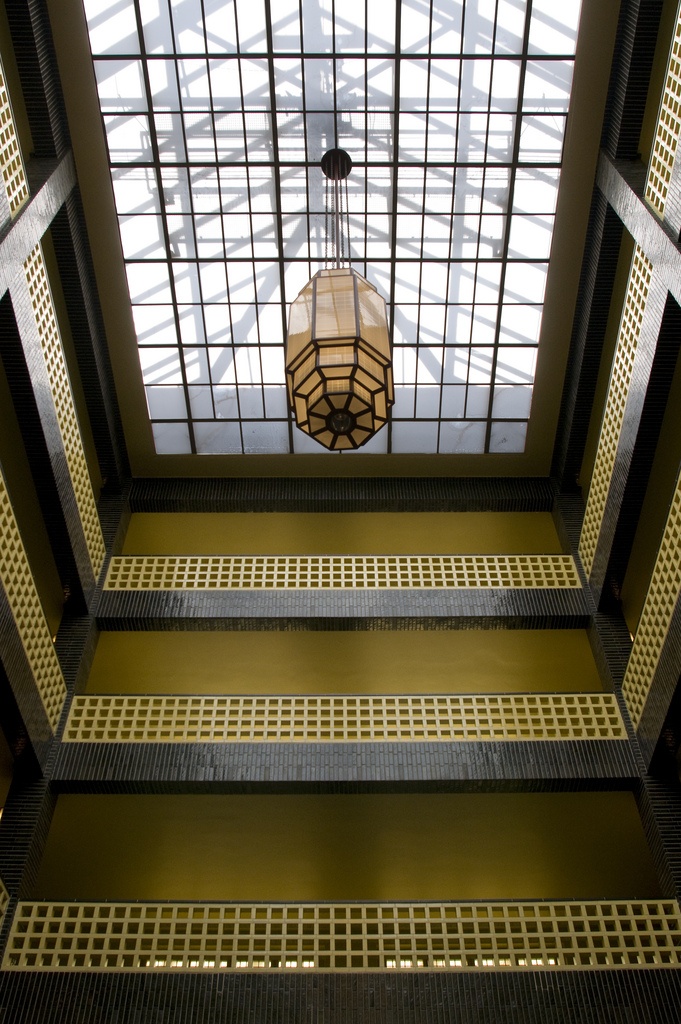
pixel 341 572
pixel 283 937
pixel 321 718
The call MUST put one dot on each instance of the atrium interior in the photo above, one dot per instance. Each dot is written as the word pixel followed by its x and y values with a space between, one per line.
pixel 377 735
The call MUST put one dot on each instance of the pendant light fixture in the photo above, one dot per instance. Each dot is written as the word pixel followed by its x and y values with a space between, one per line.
pixel 338 355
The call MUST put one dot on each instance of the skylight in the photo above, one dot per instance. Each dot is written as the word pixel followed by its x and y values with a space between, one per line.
pixel 216 117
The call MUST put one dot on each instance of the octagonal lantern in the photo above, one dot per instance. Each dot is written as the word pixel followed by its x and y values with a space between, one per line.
pixel 338 359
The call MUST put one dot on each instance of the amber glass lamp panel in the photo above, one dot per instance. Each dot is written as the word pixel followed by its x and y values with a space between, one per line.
pixel 338 369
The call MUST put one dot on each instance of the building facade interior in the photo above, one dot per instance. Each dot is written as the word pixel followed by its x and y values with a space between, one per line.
pixel 294 735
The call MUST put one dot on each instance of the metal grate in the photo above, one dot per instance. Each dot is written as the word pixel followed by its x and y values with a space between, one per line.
pixel 668 128
pixel 663 593
pixel 341 571
pixel 27 610
pixel 53 353
pixel 11 164
pixel 613 416
pixel 354 937
pixel 320 718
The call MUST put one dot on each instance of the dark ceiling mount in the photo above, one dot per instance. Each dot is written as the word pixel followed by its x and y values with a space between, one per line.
pixel 336 164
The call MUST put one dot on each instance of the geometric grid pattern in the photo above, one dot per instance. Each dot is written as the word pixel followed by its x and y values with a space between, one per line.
pixel 60 389
pixel 404 718
pixel 668 129
pixel 22 596
pixel 613 415
pixel 342 572
pixel 216 120
pixel 11 164
pixel 16 186
pixel 657 185
pixel 355 937
pixel 659 607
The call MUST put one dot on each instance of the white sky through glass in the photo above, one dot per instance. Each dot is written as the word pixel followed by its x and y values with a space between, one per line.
pixel 216 116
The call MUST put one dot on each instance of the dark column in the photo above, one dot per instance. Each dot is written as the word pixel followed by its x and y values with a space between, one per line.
pixel 51 181
pixel 622 183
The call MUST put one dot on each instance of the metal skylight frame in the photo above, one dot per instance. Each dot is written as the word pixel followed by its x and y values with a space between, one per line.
pixel 413 234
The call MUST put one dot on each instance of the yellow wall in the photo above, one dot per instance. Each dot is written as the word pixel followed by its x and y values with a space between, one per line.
pixel 346 847
pixel 284 533
pixel 463 661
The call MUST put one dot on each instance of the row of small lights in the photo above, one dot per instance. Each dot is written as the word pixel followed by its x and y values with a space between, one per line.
pixel 391 964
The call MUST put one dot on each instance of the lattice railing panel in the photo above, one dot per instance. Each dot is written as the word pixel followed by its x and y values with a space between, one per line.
pixel 24 601
pixel 657 186
pixel 354 937
pixel 663 593
pixel 50 341
pixel 11 164
pixel 613 416
pixel 342 571
pixel 343 718
pixel 668 128
pixel 16 186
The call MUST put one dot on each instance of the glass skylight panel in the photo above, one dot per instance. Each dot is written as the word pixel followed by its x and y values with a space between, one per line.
pixel 214 140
